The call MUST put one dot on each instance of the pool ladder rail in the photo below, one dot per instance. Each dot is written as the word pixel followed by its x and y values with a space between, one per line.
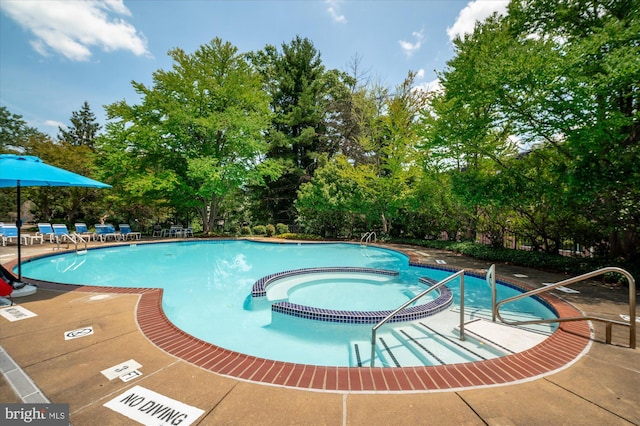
pixel 72 238
pixel 368 237
pixel 495 309
pixel 609 322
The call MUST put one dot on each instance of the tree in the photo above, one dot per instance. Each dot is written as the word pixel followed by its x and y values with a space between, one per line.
pixel 562 78
pixel 387 135
pixel 304 100
pixel 14 131
pixel 196 138
pixel 328 204
pixel 83 129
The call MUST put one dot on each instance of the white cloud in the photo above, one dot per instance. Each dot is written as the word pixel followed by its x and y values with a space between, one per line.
pixel 420 73
pixel 334 11
pixel 431 86
pixel 73 28
pixel 477 10
pixel 54 123
pixel 410 48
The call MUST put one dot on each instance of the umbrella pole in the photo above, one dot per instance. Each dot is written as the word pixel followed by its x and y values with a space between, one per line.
pixel 19 225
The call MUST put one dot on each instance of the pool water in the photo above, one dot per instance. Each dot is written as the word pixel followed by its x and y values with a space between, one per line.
pixel 346 291
pixel 207 283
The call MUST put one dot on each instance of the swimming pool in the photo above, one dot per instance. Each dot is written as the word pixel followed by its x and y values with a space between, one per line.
pixel 206 285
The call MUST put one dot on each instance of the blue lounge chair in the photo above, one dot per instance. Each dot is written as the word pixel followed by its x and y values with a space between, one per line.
pixel 46 231
pixel 126 232
pixel 61 232
pixel 107 231
pixel 9 232
pixel 83 231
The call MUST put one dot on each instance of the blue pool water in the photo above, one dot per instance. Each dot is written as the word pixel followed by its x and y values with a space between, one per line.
pixel 207 284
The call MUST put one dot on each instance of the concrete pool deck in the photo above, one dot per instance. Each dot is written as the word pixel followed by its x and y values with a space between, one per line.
pixel 601 387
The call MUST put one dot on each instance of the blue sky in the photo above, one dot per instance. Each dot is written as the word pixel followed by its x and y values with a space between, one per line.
pixel 54 55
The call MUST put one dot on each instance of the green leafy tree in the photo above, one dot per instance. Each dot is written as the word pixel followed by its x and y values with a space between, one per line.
pixel 14 131
pixel 586 105
pixel 563 78
pixel 389 136
pixel 196 138
pixel 328 204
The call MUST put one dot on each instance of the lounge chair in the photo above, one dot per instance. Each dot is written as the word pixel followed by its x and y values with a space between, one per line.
pixel 157 230
pixel 61 232
pixel 106 231
pixel 175 231
pixel 46 231
pixel 9 232
pixel 126 232
pixel 83 231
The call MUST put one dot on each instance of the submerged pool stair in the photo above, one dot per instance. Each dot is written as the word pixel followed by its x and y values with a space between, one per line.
pixel 421 343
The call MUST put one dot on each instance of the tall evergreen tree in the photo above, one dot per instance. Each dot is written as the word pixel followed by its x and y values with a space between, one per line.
pixel 303 96
pixel 83 129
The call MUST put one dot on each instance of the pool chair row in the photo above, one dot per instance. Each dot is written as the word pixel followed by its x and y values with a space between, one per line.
pixel 104 232
pixel 175 231
pixel 59 233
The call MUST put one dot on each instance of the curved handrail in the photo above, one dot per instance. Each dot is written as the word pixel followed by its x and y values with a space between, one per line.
pixel 632 304
pixel 75 238
pixel 439 284
pixel 366 238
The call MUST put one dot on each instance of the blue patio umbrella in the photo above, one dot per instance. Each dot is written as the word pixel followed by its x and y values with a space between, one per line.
pixel 24 170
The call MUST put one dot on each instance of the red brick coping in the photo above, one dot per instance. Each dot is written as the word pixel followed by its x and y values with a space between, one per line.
pixel 564 346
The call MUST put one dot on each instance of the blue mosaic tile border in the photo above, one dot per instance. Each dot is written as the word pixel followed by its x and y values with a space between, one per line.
pixel 442 302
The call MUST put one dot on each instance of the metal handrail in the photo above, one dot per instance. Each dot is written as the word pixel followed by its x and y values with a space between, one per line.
pixel 439 284
pixel 491 281
pixel 609 323
pixel 72 238
pixel 367 237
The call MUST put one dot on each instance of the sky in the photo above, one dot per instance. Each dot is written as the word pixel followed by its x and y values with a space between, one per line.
pixel 57 54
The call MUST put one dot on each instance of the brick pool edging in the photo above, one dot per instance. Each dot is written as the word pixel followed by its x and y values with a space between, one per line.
pixel 559 350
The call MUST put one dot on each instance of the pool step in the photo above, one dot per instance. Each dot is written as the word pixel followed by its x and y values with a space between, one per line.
pixel 436 341
pixel 419 344
pixel 501 336
pixel 483 313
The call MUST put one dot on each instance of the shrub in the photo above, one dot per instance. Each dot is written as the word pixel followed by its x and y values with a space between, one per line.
pixel 245 230
pixel 292 236
pixel 259 230
pixel 282 228
pixel 271 230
